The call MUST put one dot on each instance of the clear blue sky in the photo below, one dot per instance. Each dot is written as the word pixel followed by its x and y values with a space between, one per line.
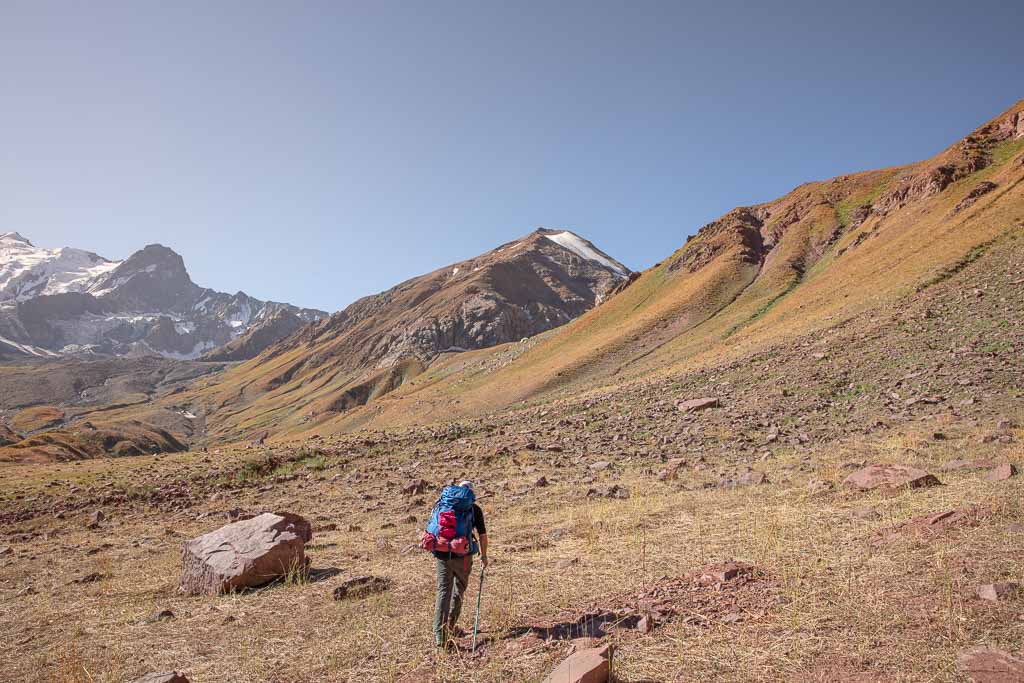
pixel 317 152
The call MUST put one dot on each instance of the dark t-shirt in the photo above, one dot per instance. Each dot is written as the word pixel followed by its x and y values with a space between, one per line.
pixel 478 524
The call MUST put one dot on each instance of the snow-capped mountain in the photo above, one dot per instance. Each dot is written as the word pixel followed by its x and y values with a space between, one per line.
pixel 27 271
pixel 56 302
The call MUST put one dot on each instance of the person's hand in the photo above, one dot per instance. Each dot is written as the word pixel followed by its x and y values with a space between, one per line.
pixel 483 561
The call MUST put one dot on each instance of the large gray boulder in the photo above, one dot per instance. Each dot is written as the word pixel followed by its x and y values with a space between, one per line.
pixel 245 554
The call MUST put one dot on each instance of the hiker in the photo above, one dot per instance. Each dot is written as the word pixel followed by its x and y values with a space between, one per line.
pixel 449 535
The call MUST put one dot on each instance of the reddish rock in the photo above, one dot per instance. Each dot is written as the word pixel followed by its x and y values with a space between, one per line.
pixel 889 476
pixel 415 488
pixel 646 624
pixel 163 677
pixel 994 592
pixel 1001 472
pixel 693 405
pixel 671 471
pixel 988 665
pixel 586 666
pixel 244 554
pixel 721 573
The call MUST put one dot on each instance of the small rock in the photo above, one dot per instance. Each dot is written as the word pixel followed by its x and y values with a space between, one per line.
pixel 90 578
pixel 361 587
pixel 159 616
pixel 164 677
pixel 732 618
pixel 752 478
pixel 415 487
pixel 95 519
pixel 819 486
pixel 600 465
pixel 722 573
pixel 693 405
pixel 646 624
pixel 995 592
pixel 593 665
pixel 541 483
pixel 889 476
pixel 1001 472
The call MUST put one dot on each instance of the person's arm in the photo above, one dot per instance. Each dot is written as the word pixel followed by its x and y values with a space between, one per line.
pixel 483 549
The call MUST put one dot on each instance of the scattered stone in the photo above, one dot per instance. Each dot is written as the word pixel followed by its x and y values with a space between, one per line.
pixel 90 578
pixel 995 592
pixel 752 478
pixel 724 572
pixel 164 677
pixel 541 482
pixel 613 491
pixel 732 618
pixel 693 405
pixel 95 519
pixel 415 487
pixel 245 554
pixel 988 665
pixel 159 616
pixel 361 587
pixel 890 477
pixel 819 486
pixel 5 550
pixel 646 624
pixel 671 471
pixel 1001 472
pixel 592 665
pixel 600 465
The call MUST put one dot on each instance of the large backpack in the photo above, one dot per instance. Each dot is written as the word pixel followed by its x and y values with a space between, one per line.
pixel 450 528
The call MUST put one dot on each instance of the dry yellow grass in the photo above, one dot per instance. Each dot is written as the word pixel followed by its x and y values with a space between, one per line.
pixel 898 610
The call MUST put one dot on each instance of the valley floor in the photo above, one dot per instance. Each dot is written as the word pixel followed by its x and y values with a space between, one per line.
pixel 842 585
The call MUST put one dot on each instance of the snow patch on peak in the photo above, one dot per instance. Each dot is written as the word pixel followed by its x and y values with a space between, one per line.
pixel 27 271
pixel 14 237
pixel 586 251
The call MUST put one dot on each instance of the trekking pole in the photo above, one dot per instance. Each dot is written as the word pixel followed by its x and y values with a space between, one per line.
pixel 479 593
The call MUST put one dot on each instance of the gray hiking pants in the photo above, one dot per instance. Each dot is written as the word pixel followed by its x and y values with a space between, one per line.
pixel 452 579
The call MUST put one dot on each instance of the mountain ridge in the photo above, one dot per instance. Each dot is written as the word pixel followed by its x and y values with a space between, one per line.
pixel 65 301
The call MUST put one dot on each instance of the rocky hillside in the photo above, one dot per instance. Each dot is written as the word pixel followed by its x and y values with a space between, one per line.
pixel 61 302
pixel 827 253
pixel 519 290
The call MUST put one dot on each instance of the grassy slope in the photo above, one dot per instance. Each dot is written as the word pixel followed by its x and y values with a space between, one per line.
pixel 672 322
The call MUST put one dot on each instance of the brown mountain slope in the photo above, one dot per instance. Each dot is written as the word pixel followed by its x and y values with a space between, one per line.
pixel 258 339
pixel 518 290
pixel 758 276
pixel 523 288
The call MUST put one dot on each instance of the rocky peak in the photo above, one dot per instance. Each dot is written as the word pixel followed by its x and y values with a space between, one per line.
pixel 151 279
